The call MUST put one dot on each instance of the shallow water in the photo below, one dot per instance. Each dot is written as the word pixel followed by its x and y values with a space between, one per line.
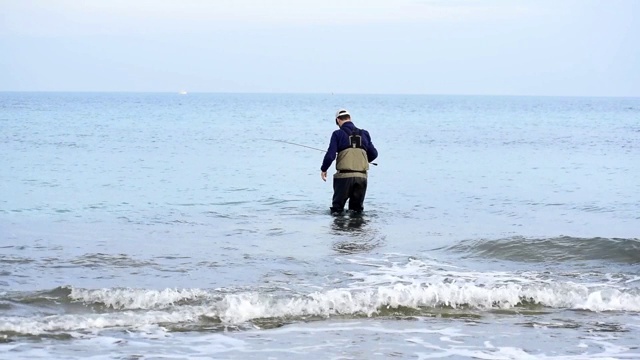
pixel 166 226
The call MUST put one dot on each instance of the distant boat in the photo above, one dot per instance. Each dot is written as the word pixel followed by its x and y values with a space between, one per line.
pixel 183 92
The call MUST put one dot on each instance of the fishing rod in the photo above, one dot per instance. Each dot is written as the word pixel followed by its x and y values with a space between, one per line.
pixel 305 146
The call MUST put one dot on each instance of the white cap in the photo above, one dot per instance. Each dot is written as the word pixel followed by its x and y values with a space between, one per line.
pixel 342 112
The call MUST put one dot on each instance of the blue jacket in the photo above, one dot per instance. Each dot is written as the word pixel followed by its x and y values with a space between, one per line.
pixel 340 141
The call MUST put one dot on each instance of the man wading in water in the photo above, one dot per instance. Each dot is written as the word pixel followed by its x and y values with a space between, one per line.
pixel 355 151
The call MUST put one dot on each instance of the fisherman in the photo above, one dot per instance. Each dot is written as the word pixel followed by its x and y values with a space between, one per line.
pixel 355 151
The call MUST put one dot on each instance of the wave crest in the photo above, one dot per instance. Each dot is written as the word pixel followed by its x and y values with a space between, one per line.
pixel 557 249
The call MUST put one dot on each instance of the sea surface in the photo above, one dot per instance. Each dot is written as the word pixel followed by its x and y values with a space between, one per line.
pixel 173 226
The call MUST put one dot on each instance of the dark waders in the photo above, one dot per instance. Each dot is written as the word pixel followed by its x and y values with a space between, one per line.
pixel 348 188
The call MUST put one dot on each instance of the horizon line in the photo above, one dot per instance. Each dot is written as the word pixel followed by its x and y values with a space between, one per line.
pixel 306 93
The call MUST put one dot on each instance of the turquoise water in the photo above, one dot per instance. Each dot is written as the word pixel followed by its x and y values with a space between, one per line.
pixel 170 226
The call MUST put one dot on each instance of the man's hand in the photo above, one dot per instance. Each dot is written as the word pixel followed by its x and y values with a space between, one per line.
pixel 323 175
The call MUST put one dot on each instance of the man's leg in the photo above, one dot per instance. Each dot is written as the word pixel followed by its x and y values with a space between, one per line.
pixel 357 193
pixel 341 187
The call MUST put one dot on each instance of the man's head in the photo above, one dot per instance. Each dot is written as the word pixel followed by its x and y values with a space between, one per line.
pixel 342 116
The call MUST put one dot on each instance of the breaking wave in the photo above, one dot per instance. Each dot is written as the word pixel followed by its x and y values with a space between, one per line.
pixel 394 287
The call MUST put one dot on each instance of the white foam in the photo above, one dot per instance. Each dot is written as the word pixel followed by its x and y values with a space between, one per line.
pixel 386 285
pixel 415 284
pixel 120 298
pixel 440 285
pixel 92 322
pixel 239 308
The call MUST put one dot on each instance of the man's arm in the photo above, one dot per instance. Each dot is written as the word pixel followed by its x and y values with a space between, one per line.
pixel 372 152
pixel 330 155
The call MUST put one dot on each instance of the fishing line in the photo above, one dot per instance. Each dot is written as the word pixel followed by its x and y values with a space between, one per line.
pixel 305 146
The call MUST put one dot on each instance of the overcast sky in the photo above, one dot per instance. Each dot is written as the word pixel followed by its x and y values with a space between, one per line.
pixel 483 47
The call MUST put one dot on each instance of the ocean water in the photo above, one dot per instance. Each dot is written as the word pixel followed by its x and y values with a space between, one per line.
pixel 168 226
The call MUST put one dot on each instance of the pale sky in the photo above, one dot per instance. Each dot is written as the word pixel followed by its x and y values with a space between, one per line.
pixel 474 47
